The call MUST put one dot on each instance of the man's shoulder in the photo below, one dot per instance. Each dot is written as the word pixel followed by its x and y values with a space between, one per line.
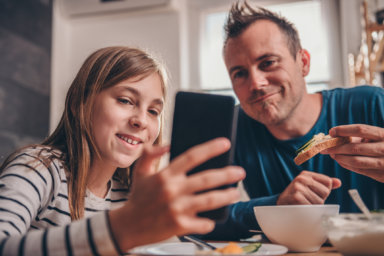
pixel 363 90
pixel 364 94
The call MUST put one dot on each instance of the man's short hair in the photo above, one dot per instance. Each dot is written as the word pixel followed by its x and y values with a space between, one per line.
pixel 242 15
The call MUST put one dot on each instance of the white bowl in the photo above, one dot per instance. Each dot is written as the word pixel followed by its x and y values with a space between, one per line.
pixel 298 227
pixel 353 234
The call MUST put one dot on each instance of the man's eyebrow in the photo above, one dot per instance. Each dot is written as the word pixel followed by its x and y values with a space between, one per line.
pixel 233 69
pixel 265 56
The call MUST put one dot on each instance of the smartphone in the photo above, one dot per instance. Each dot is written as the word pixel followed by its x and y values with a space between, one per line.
pixel 197 118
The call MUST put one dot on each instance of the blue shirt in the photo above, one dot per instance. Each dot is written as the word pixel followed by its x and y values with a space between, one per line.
pixel 269 164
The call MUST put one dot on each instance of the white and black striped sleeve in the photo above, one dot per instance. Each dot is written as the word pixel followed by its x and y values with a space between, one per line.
pixel 27 185
pixel 89 236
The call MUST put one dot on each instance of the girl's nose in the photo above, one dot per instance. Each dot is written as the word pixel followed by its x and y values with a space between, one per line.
pixel 138 121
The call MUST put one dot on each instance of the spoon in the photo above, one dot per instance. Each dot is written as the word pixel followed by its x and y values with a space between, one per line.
pixel 199 243
pixel 359 202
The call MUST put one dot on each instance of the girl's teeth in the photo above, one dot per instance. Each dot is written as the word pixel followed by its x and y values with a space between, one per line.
pixel 130 141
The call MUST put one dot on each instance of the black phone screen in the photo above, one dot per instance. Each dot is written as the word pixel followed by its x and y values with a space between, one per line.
pixel 199 117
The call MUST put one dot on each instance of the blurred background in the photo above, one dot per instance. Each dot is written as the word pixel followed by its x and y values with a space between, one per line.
pixel 25 72
pixel 44 42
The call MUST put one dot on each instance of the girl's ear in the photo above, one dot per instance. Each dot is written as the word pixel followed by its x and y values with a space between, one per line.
pixel 305 59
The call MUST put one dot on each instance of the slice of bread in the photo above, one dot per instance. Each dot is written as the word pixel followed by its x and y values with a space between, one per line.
pixel 320 142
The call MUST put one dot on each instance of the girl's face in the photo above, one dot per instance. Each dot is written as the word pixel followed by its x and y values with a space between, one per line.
pixel 125 117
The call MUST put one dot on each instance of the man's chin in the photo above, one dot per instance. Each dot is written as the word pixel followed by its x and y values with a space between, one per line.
pixel 265 115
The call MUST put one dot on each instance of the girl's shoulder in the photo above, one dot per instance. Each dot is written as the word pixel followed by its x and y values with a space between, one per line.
pixel 38 158
pixel 36 152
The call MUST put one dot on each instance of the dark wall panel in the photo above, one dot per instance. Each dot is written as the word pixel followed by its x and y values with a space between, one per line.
pixel 29 19
pixel 23 111
pixel 25 50
pixel 24 62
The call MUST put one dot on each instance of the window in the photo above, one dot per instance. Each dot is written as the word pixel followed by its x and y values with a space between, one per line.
pixel 214 76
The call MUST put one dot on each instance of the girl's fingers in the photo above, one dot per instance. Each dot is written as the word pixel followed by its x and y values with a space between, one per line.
pixel 210 179
pixel 211 200
pixel 195 225
pixel 198 155
pixel 146 165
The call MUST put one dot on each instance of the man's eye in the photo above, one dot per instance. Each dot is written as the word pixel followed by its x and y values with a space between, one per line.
pixel 267 64
pixel 240 74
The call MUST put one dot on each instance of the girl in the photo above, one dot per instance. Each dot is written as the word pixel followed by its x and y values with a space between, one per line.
pixel 69 195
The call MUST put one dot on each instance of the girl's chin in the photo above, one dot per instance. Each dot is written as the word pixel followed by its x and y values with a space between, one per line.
pixel 125 162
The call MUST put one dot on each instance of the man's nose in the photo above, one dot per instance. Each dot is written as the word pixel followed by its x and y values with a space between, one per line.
pixel 257 79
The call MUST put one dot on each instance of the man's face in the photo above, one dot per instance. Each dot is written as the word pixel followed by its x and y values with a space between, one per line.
pixel 267 80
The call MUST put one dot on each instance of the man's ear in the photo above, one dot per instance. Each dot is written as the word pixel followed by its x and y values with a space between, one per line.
pixel 305 59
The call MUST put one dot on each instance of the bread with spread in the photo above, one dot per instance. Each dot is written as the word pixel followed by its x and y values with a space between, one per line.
pixel 318 143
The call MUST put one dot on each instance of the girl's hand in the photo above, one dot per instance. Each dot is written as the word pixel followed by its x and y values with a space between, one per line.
pixel 166 203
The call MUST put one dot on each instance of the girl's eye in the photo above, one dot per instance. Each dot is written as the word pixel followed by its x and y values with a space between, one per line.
pixel 154 112
pixel 124 101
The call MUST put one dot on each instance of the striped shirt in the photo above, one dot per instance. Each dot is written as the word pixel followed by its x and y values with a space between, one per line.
pixel 34 210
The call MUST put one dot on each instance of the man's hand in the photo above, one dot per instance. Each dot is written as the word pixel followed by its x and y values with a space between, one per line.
pixel 308 188
pixel 365 155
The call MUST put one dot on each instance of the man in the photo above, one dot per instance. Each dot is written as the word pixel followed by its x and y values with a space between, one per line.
pixel 267 67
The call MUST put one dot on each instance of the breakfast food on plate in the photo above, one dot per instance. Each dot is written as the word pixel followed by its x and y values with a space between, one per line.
pixel 251 248
pixel 234 249
pixel 318 143
pixel 231 248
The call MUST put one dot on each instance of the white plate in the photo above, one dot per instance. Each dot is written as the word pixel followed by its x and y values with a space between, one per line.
pixel 190 249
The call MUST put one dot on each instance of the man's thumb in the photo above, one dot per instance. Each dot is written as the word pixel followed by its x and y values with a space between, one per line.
pixel 336 183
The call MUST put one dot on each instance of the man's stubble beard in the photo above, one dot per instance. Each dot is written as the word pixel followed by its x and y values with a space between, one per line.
pixel 282 116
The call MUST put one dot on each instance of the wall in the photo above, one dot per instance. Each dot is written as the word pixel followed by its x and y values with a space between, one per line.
pixel 25 46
